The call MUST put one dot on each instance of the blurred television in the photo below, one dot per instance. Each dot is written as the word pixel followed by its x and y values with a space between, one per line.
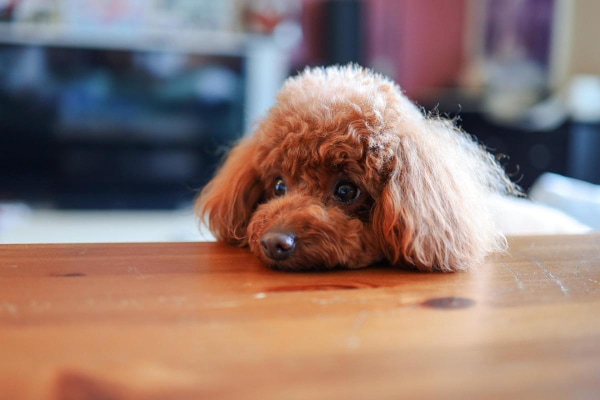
pixel 106 128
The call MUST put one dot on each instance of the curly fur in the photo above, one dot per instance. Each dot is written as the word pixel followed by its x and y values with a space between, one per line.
pixel 424 184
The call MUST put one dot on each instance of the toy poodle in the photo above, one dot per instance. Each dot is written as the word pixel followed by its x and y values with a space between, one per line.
pixel 345 171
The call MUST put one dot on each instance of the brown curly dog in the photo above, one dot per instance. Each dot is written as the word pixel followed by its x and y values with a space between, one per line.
pixel 345 171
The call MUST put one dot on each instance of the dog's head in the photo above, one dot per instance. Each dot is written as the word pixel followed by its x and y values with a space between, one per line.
pixel 346 171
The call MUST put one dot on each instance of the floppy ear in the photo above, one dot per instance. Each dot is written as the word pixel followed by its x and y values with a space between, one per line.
pixel 227 202
pixel 434 211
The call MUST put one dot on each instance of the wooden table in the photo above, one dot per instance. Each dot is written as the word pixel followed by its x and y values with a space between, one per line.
pixel 203 320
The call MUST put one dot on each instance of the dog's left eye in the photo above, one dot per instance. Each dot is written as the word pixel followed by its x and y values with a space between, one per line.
pixel 280 188
pixel 346 192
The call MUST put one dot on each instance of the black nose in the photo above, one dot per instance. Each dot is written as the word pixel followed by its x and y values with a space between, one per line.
pixel 278 246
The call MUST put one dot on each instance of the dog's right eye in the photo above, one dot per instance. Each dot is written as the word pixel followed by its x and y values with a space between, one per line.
pixel 346 192
pixel 280 188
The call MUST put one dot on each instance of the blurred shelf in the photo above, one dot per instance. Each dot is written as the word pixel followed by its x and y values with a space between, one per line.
pixel 266 57
pixel 214 43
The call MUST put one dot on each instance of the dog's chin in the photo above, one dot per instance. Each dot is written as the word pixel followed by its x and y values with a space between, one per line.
pixel 317 260
pixel 292 266
pixel 303 268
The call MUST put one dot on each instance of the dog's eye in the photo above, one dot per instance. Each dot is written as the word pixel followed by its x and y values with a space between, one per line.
pixel 346 192
pixel 280 188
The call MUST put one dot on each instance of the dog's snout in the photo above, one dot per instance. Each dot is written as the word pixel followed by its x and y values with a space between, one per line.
pixel 277 245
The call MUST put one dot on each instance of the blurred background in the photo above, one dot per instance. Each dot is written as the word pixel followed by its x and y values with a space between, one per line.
pixel 114 114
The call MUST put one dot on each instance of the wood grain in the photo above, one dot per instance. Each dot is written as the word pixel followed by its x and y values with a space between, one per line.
pixel 204 320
